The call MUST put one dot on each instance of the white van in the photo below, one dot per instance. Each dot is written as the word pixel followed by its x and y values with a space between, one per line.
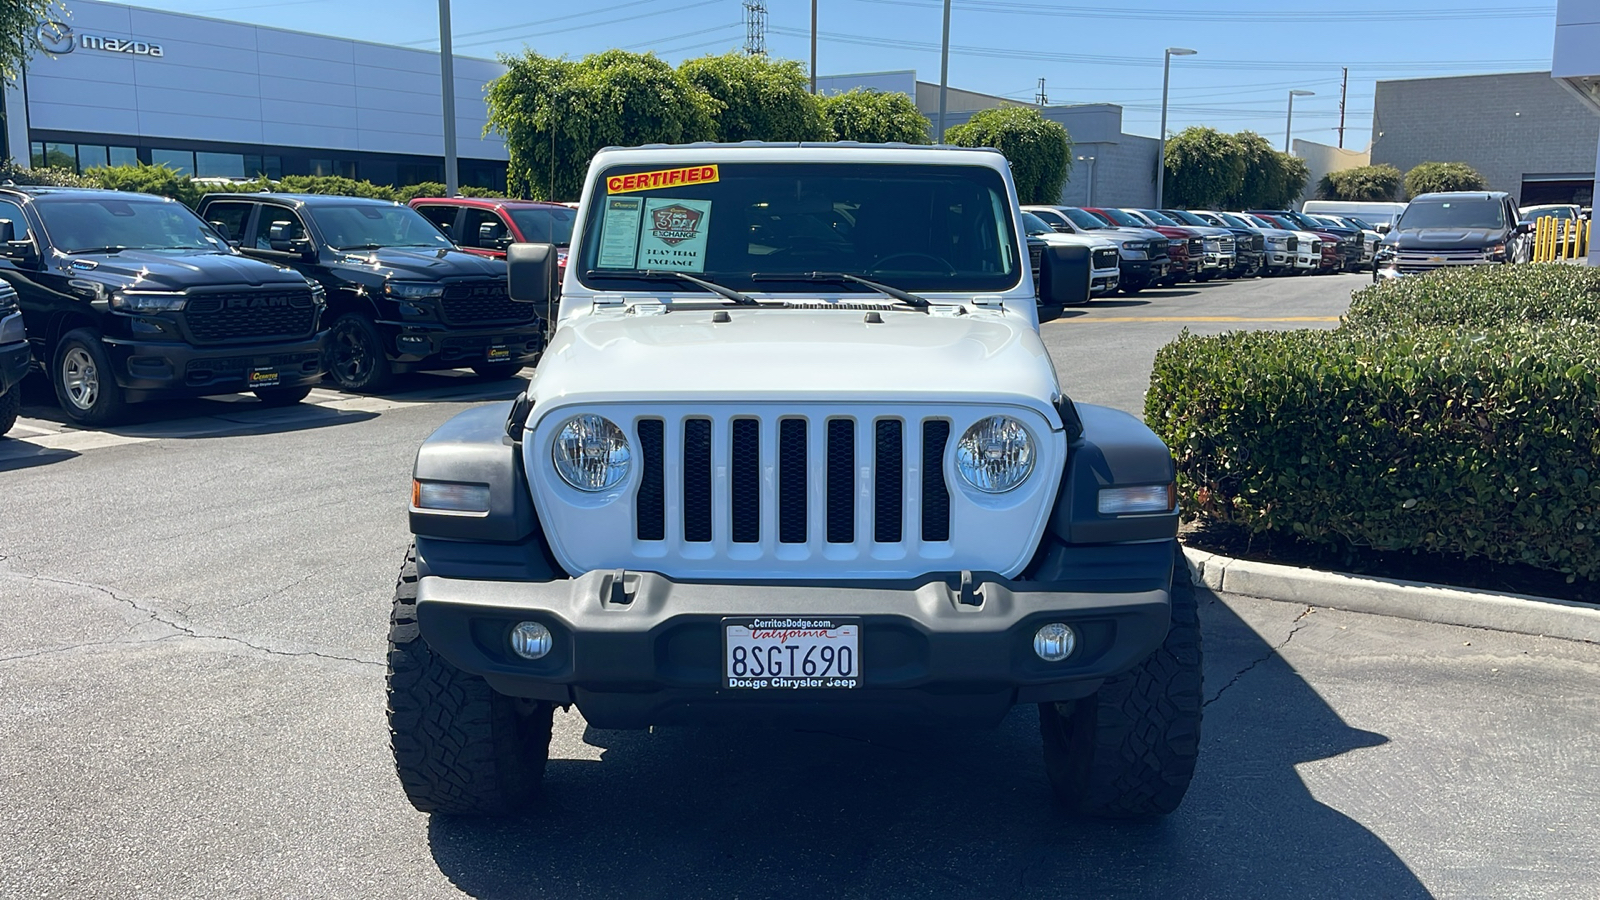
pixel 1374 213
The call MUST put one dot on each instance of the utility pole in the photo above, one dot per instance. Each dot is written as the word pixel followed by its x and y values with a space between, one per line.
pixel 813 46
pixel 1344 88
pixel 755 27
pixel 944 72
pixel 447 88
pixel 1041 98
pixel 1161 152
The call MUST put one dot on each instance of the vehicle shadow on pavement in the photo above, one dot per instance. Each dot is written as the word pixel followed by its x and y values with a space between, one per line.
pixel 749 813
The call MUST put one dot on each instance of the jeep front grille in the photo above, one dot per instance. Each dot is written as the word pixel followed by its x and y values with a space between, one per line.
pixel 238 316
pixel 482 302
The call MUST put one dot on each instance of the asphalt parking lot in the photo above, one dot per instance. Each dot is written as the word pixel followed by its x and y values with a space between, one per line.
pixel 191 704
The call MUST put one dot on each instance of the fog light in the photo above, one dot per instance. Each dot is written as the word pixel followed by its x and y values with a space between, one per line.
pixel 530 640
pixel 1054 642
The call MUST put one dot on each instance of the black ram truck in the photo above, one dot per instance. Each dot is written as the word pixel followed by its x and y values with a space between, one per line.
pixel 401 296
pixel 15 357
pixel 130 297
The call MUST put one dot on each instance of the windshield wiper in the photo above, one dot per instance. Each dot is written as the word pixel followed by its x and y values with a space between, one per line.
pixel 675 275
pixel 364 247
pixel 888 290
pixel 113 249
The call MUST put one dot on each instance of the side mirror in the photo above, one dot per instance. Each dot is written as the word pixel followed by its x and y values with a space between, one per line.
pixel 8 231
pixel 1064 280
pixel 281 238
pixel 531 276
pixel 1383 227
pixel 1524 228
pixel 17 251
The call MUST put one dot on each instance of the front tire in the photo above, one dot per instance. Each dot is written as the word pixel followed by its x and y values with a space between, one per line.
pixel 281 396
pixel 460 747
pixel 85 386
pixel 1129 749
pixel 354 357
pixel 10 408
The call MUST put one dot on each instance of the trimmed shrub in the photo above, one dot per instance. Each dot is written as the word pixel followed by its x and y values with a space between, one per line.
pixel 1479 296
pixel 1039 150
pixel 43 175
pixel 436 189
pixel 145 179
pixel 1363 183
pixel 1468 442
pixel 332 184
pixel 1433 177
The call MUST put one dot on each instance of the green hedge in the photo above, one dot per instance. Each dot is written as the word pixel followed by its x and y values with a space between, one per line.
pixel 1472 439
pixel 166 182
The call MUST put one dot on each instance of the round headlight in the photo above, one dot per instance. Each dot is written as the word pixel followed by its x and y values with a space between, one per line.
pixel 591 453
pixel 995 455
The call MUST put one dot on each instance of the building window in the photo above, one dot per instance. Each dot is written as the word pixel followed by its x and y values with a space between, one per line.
pixel 61 156
pixel 219 165
pixel 91 156
pixel 417 173
pixel 181 161
pixel 342 167
pixel 258 166
pixel 124 156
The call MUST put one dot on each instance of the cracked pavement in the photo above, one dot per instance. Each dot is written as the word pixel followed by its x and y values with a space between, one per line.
pixel 191 705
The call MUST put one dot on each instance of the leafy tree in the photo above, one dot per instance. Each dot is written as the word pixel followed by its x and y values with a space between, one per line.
pixel 1205 168
pixel 1272 178
pixel 19 31
pixel 758 99
pixel 875 117
pixel 1364 183
pixel 555 114
pixel 1431 177
pixel 1039 150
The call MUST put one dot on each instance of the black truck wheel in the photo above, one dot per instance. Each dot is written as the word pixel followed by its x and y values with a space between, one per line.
pixel 85 386
pixel 281 396
pixel 354 356
pixel 496 371
pixel 10 407
pixel 1128 750
pixel 460 748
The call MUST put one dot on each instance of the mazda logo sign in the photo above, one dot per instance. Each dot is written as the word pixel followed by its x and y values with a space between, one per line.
pixel 55 38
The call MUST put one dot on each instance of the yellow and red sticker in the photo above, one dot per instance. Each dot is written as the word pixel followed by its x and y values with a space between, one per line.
pixel 644 181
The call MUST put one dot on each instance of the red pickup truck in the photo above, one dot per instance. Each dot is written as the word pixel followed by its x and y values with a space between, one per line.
pixel 486 226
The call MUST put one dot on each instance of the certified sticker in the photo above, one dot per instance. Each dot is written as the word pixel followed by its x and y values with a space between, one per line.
pixel 644 181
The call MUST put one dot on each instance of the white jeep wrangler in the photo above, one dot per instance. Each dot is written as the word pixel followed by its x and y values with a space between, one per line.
pixel 796 454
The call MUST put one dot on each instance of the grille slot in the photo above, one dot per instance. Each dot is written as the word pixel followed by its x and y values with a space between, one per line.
pixel 935 493
pixel 650 519
pixel 792 481
pixel 471 302
pixel 745 487
pixel 249 315
pixel 697 480
pixel 841 481
pixel 888 482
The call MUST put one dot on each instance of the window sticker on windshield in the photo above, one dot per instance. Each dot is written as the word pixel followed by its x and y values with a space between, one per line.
pixel 674 234
pixel 619 232
pixel 644 181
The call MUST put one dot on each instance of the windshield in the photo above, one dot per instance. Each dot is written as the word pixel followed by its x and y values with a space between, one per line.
pixel 1158 217
pixel 545 226
pixel 1472 212
pixel 1120 218
pixel 1546 212
pixel 1359 223
pixel 369 226
pixel 1235 221
pixel 916 227
pixel 1033 225
pixel 79 224
pixel 1186 217
pixel 1085 219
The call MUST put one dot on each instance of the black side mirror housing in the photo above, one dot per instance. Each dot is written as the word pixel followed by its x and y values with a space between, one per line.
pixel 1524 228
pixel 1064 279
pixel 17 251
pixel 531 276
pixel 8 231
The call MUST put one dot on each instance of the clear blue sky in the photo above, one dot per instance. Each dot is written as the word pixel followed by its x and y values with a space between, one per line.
pixel 1251 52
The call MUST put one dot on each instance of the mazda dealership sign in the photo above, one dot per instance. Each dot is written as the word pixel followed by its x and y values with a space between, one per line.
pixel 58 38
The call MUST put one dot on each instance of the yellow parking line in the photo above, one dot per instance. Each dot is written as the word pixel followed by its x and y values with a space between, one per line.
pixel 1203 319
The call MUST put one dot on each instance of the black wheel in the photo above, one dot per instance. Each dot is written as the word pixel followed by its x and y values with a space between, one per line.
pixel 460 748
pixel 354 357
pixel 281 396
pixel 1128 750
pixel 10 406
pixel 496 371
pixel 85 386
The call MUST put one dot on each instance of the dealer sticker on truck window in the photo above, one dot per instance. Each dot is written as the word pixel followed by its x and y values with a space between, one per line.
pixel 791 653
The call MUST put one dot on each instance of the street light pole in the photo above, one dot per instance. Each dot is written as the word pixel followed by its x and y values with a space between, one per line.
pixel 1288 126
pixel 1161 155
pixel 813 47
pixel 447 88
pixel 944 71
pixel 1090 160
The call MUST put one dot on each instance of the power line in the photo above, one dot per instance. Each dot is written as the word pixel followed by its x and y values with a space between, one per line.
pixel 500 29
pixel 629 18
pixel 1212 14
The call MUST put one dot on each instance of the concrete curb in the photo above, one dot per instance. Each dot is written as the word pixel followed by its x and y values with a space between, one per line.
pixel 1515 613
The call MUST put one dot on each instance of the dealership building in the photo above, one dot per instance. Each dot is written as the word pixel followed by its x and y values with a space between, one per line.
pixel 214 98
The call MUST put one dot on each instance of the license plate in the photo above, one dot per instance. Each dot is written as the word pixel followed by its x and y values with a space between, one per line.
pixel 263 377
pixel 791 653
pixel 499 354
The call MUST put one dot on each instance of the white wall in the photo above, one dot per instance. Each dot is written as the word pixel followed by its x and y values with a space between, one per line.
pixel 1576 63
pixel 223 81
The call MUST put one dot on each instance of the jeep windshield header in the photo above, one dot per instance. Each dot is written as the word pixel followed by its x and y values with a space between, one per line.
pixel 368 226
pixel 912 227
pixel 109 224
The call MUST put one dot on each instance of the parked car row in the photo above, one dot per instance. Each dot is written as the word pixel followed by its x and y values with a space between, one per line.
pixel 123 297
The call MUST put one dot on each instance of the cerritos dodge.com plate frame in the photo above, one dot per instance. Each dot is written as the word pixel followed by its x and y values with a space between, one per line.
pixel 791 653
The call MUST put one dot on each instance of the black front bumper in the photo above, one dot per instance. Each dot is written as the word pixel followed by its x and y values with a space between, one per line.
pixel 1143 271
pixel 413 346
pixel 633 649
pixel 152 369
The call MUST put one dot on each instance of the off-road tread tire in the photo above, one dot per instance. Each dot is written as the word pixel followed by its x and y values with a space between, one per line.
pixel 281 396
pixel 10 408
pixel 1128 751
pixel 460 747
pixel 496 371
